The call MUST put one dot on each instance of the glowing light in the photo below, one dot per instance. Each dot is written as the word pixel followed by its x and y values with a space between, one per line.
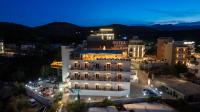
pixel 61 89
pixel 89 99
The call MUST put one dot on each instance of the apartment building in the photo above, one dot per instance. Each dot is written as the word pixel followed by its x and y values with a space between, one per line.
pixel 176 52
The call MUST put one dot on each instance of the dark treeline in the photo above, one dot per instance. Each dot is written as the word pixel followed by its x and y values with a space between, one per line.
pixel 24 68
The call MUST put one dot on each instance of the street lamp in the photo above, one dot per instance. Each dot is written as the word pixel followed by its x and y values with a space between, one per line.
pixel 109 97
pixel 61 89
pixel 39 79
pixel 89 99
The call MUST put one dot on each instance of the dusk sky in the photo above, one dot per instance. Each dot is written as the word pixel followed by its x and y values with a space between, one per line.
pixel 99 12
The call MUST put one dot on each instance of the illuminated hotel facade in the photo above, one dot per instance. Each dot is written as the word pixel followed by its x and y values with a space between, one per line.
pixel 97 70
pixel 136 49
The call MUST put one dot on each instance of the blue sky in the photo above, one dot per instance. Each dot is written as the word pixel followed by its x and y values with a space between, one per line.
pixel 99 12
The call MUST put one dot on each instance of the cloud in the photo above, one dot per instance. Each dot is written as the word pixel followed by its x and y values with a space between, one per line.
pixel 186 13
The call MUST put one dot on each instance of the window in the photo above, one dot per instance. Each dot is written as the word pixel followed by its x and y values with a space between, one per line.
pixel 86 65
pixel 76 75
pixel 75 64
pixel 97 66
pixel 119 87
pixel 86 86
pixel 119 66
pixel 86 75
pixel 130 50
pixel 97 76
pixel 119 76
pixel 76 86
pixel 97 86
pixel 108 66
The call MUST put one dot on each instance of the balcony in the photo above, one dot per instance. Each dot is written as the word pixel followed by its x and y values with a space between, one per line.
pixel 99 89
pixel 99 69
pixel 115 79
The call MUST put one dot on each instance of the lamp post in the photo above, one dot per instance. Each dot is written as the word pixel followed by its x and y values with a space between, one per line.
pixel 89 99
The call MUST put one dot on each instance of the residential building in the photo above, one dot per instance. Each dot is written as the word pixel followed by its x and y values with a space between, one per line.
pixel 176 52
pixel 161 46
pixel 191 46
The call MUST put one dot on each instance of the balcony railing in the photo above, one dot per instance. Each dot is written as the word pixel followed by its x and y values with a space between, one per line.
pixel 100 89
pixel 115 79
pixel 98 69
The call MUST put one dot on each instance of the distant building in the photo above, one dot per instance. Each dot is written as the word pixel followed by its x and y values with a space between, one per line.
pixel 26 47
pixel 1 47
pixel 176 52
pixel 191 46
pixel 178 88
pixel 195 66
pixel 104 40
pixel 136 49
pixel 102 34
pixel 161 46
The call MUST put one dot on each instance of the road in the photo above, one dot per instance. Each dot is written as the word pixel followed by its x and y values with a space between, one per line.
pixel 137 87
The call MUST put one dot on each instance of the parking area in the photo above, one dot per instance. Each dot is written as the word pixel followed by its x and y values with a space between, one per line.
pixel 47 88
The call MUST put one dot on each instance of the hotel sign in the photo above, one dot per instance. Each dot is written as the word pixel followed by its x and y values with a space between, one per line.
pixel 122 45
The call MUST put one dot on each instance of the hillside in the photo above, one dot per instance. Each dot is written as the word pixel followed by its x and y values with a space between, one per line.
pixel 61 32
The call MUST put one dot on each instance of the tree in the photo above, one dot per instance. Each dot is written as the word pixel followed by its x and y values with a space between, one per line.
pixel 76 107
pixel 107 102
pixel 180 68
pixel 45 70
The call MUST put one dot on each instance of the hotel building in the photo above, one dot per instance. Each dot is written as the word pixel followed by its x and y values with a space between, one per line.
pixel 101 70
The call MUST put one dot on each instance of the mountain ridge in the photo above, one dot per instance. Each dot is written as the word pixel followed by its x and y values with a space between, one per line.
pixel 67 32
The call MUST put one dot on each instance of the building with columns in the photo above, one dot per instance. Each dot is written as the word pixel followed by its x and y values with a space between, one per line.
pixel 1 47
pixel 136 49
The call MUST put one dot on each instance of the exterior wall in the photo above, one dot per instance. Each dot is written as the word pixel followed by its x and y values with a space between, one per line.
pixel 168 53
pixel 103 65
pixel 161 47
pixel 109 78
pixel 103 75
pixel 104 88
pixel 65 61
